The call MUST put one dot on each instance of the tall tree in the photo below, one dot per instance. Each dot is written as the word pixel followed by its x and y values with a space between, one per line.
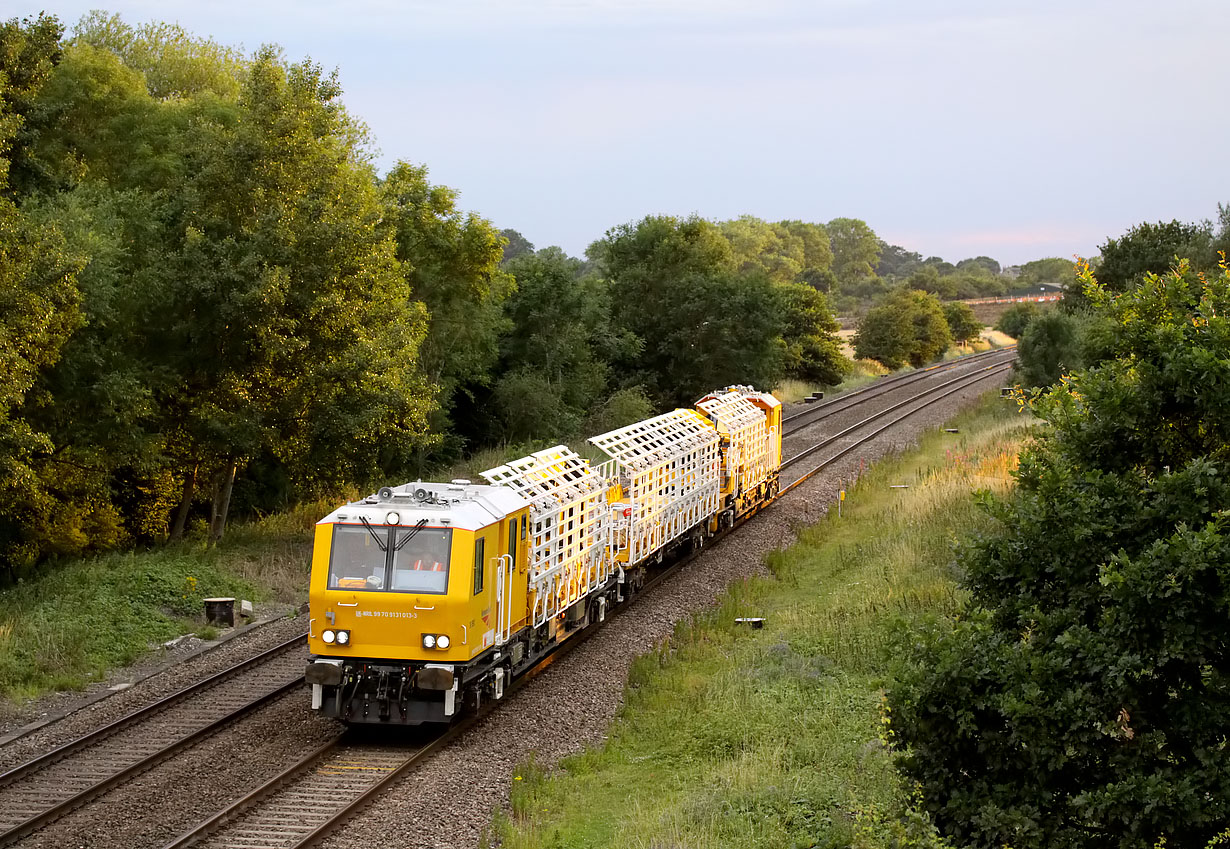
pixel 451 261
pixel 909 326
pixel 39 301
pixel 1152 249
pixel 700 322
pixel 856 250
pixel 962 323
pixel 813 349
pixel 556 350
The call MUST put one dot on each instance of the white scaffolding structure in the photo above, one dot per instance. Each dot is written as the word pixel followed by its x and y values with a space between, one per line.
pixel 669 471
pixel 753 450
pixel 570 525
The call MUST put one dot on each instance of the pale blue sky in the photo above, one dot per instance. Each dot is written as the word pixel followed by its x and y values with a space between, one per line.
pixel 1012 129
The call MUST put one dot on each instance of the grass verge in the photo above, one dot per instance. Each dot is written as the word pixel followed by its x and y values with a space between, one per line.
pixel 770 738
pixel 75 622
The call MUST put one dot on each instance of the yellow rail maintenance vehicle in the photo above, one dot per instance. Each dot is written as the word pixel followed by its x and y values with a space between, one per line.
pixel 427 599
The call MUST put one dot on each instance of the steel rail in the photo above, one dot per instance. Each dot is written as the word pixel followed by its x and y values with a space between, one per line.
pixel 881 387
pixel 980 374
pixel 121 771
pixel 967 381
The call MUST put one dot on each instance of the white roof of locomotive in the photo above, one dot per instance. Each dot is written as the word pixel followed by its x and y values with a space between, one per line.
pixel 455 505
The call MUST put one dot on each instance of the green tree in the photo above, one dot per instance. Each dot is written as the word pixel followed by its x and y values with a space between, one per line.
pixel 896 262
pixel 39 302
pixel 786 252
pixel 452 265
pixel 1016 318
pixel 516 245
pixel 556 351
pixel 29 52
pixel 1079 699
pixel 962 323
pixel 173 62
pixel 813 349
pixel 1152 249
pixel 927 279
pixel 856 250
pixel 700 323
pixel 909 326
pixel 979 263
pixel 1050 347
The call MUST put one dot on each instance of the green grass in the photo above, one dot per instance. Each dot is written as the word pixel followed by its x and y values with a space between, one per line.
pixel 770 738
pixel 76 621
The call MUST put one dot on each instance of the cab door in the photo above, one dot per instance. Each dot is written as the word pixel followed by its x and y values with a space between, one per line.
pixel 511 579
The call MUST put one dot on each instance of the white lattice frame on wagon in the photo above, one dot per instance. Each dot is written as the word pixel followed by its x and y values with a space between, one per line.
pixel 570 525
pixel 669 468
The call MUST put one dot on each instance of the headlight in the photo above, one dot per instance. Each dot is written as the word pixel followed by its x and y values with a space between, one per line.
pixel 429 641
pixel 443 641
pixel 328 637
pixel 343 637
pixel 392 518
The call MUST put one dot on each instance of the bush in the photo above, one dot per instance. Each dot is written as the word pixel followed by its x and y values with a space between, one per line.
pixel 1016 318
pixel 909 326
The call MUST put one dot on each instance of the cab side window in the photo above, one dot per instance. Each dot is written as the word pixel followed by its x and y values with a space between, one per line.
pixel 480 560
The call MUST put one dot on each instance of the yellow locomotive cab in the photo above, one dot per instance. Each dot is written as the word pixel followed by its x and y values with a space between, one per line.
pixel 408 588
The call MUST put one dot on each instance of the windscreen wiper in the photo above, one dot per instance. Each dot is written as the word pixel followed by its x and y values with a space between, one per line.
pixel 410 534
pixel 372 531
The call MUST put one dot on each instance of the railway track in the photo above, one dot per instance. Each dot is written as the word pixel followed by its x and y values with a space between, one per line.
pixel 810 415
pixel 885 420
pixel 47 787
pixel 311 797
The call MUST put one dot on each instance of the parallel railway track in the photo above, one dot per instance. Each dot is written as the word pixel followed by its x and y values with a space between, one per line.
pixel 310 798
pixel 47 787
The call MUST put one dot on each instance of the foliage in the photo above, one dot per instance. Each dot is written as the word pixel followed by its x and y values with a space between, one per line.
pixel 1016 318
pixel 174 63
pixel 1051 346
pixel 555 352
pixel 785 252
pixel 1079 701
pixel 856 251
pixel 1054 271
pixel 813 349
pixel 909 326
pixel 515 245
pixel 451 261
pixel 1151 249
pixel 39 302
pixel 961 321
pixel 699 322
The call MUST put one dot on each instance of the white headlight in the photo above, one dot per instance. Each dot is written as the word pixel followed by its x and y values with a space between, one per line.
pixel 328 637
pixel 443 641
pixel 429 641
pixel 392 518
pixel 343 637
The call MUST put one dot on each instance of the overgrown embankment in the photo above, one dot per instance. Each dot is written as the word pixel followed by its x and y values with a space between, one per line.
pixel 73 624
pixel 771 738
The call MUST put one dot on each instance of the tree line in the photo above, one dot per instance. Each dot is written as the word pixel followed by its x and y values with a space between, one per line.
pixel 213 302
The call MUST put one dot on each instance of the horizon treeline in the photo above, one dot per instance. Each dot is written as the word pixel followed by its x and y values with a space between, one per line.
pixel 214 303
